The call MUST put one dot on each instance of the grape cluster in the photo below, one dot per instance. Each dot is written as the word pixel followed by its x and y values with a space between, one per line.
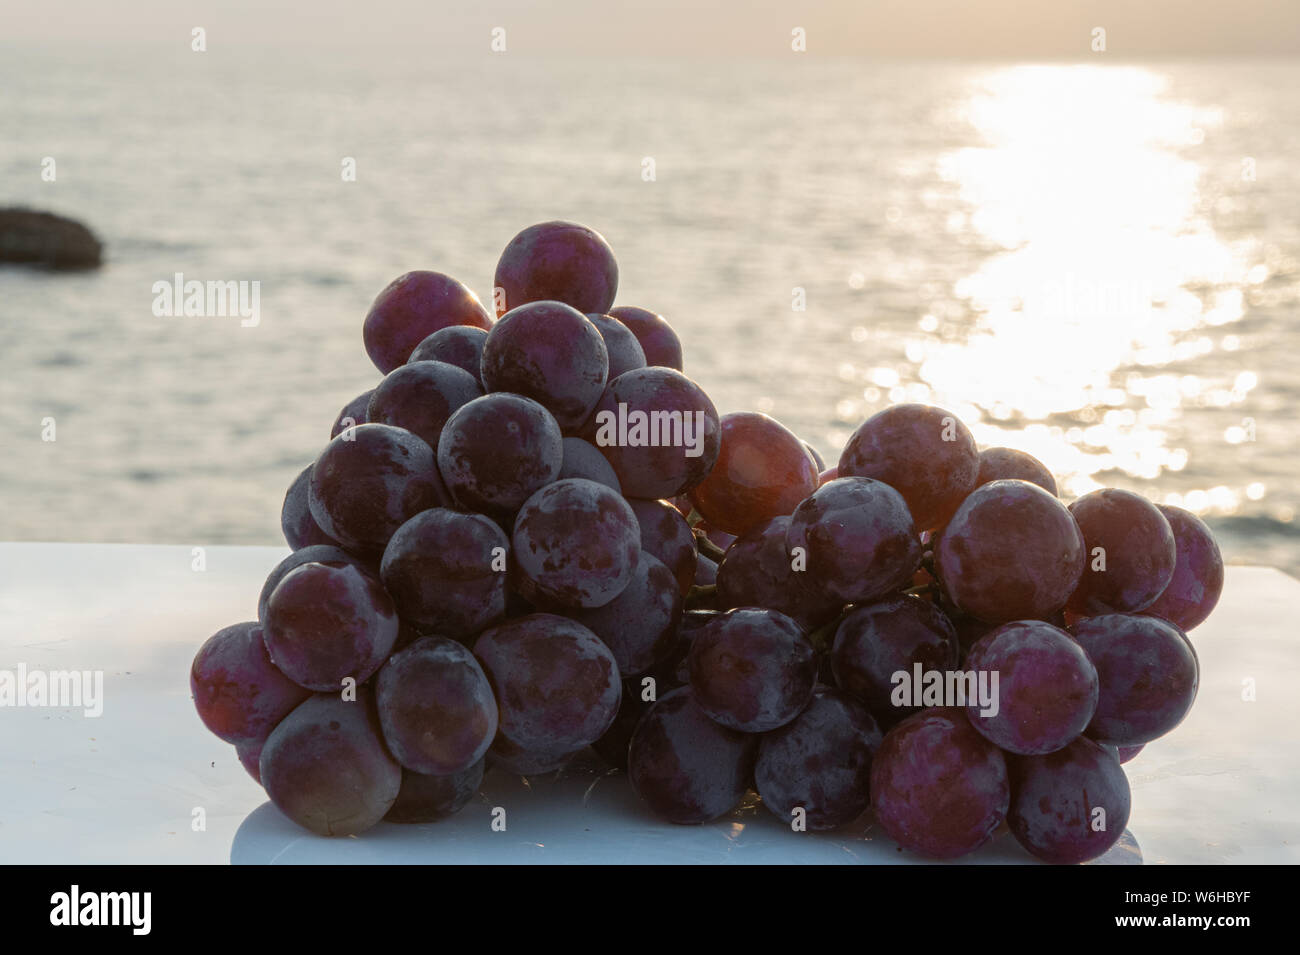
pixel 536 536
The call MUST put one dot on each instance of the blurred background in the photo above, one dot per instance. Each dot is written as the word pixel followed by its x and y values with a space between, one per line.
pixel 1090 254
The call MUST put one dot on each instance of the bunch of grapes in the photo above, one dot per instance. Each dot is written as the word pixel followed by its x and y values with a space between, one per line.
pixel 537 536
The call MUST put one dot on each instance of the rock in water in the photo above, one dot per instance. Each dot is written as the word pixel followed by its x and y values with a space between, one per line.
pixel 41 238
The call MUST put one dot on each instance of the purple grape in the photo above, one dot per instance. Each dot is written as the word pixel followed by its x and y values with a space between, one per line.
pixel 435 707
pixel 353 414
pixel 639 625
pixel 559 262
pixel 1010 552
pixel 1047 687
pixel 549 352
pixel 299 527
pixel 430 798
pixel 497 451
pixel 326 768
pixel 924 453
pixel 420 397
pixel 706 572
pixel 584 460
pixel 557 686
pixel 1068 806
pixel 756 572
pixel 762 471
pixel 752 670
pixel 446 572
pixel 658 429
pixel 329 622
pixel 659 343
pixel 875 641
pixel 459 345
pixel 624 350
pixel 638 697
pixel 576 543
pixel 412 308
pixel 250 756
pixel 239 693
pixel 1126 753
pixel 315 554
pixel 509 758
pixel 857 538
pixel 369 481
pixel 938 787
pixel 999 464
pixel 666 535
pixel 1148 675
pixel 820 762
pixel 1130 552
pixel 686 767
pixel 1197 579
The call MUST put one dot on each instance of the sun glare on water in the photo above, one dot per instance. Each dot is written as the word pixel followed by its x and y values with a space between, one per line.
pixel 1108 275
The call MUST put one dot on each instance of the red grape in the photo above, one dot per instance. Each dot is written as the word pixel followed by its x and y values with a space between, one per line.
pixel 998 464
pixel 1197 579
pixel 412 308
pixel 666 535
pixel 421 396
pixel 239 693
pixel 659 343
pixel 560 262
pixel 459 345
pixel 1130 552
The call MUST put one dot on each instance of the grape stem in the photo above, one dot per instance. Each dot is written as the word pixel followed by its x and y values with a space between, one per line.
pixel 699 593
pixel 708 548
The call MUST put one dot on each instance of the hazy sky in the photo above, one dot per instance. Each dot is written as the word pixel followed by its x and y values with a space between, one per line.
pixel 1017 28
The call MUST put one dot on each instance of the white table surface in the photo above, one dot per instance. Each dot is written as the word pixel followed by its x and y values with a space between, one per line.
pixel 123 787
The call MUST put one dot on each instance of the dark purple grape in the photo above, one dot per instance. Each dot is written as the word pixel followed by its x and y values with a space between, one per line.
pixel 435 707
pixel 446 572
pixel 624 350
pixel 430 798
pixel 1068 806
pixel 706 572
pixel 938 787
pixel 1126 753
pixel 639 625
pixel 420 397
pixel 1011 552
pixel 584 460
pixel 1046 692
pixel 659 343
pixel 924 453
pixel 999 464
pixel 557 686
pixel 299 527
pixel 1148 674
pixel 509 758
pixel 666 535
pixel 315 554
pixel 459 345
pixel 326 768
pixel 239 693
pixel 559 262
pixel 329 622
pixel 641 691
pixel 756 572
pixel 752 670
pixel 369 481
pixel 686 767
pixel 658 429
pixel 1197 579
pixel 353 414
pixel 762 471
pixel 1129 549
pixel 576 543
pixel 877 640
pixel 412 308
pixel 250 756
pixel 857 539
pixel 549 352
pixel 497 451
pixel 819 762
